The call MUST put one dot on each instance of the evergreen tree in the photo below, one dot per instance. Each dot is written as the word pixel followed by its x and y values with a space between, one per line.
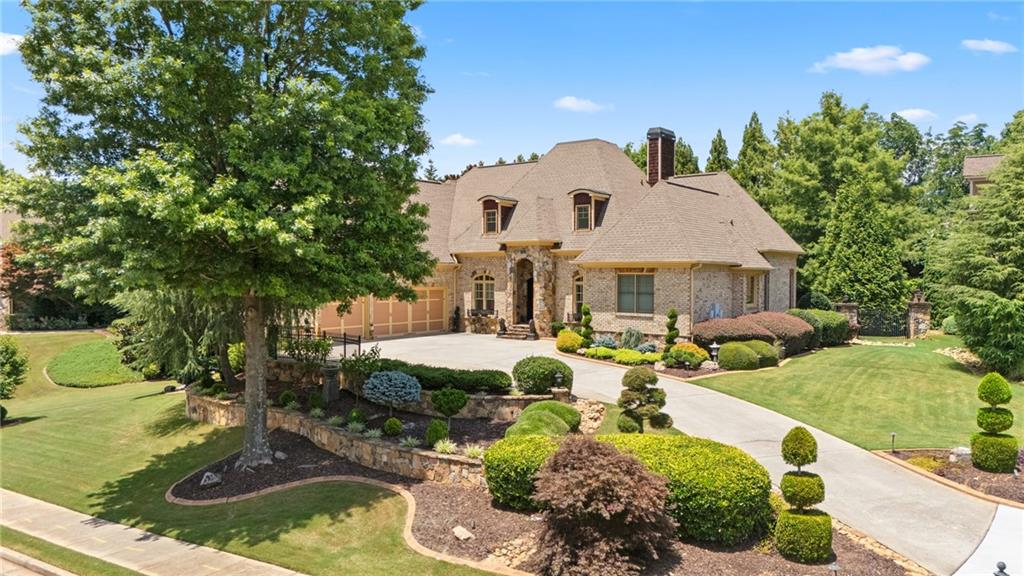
pixel 520 159
pixel 1013 132
pixel 534 156
pixel 500 161
pixel 686 162
pixel 718 159
pixel 860 255
pixel 431 172
pixel 755 164
pixel 637 155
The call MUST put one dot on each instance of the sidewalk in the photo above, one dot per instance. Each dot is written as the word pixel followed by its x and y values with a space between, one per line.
pixel 131 548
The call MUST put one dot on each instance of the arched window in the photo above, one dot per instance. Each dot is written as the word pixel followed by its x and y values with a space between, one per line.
pixel 483 293
pixel 577 295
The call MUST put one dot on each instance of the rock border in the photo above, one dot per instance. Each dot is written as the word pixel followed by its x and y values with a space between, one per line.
pixel 410 515
pixel 884 454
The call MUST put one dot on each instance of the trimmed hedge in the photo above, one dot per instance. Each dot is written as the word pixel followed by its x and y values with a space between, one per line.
pixel 436 378
pixel 815 301
pixel 813 321
pixel 567 413
pixel 692 349
pixel 994 452
pixel 510 466
pixel 536 374
pixel 737 356
pixel 724 330
pixel 767 355
pixel 600 353
pixel 802 489
pixel 539 423
pixel 717 493
pixel 795 334
pixel 835 327
pixel 568 341
pixel 804 536
pixel 635 358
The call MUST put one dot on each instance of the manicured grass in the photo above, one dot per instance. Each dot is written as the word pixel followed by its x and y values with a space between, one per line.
pixel 60 557
pixel 610 423
pixel 89 365
pixel 112 452
pixel 863 393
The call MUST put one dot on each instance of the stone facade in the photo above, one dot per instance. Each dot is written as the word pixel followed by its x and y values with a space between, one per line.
pixel 919 318
pixel 380 455
pixel 542 267
pixel 472 267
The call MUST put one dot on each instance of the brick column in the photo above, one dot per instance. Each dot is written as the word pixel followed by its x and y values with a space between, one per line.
pixel 919 316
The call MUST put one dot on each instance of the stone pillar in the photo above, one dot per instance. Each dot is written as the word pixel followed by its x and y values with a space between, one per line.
pixel 919 316
pixel 332 383
pixel 848 309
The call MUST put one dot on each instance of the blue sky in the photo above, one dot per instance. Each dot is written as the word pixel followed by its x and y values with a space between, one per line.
pixel 515 78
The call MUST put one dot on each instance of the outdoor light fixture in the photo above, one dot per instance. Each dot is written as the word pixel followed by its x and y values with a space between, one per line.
pixel 558 379
pixel 714 350
pixel 893 436
pixel 833 568
pixel 1000 569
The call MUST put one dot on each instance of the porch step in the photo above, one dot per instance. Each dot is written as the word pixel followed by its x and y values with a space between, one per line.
pixel 518 332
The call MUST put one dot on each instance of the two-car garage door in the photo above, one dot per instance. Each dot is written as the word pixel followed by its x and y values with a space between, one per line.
pixel 376 318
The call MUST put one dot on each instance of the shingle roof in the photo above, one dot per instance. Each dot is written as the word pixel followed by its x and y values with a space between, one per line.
pixel 977 167
pixel 438 197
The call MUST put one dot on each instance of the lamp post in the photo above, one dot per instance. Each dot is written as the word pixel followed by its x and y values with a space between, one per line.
pixel 892 436
pixel 714 350
pixel 833 568
pixel 1000 569
pixel 558 379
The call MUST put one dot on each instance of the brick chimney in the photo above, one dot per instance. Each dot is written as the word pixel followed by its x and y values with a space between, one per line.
pixel 661 154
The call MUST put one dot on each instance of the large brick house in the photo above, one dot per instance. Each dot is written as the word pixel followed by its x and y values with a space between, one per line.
pixel 536 240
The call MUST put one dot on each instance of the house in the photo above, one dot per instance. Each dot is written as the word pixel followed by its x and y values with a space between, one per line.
pixel 7 220
pixel 978 169
pixel 537 240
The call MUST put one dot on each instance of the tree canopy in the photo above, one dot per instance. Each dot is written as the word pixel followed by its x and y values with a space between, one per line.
pixel 718 158
pixel 755 163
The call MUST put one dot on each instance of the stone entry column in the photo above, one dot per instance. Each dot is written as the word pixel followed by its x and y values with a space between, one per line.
pixel 849 309
pixel 919 316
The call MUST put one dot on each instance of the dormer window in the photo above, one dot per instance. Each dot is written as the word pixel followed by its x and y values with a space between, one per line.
pixel 497 212
pixel 583 217
pixel 491 221
pixel 588 208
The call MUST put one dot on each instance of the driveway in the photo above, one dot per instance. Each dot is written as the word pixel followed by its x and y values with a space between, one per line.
pixel 935 526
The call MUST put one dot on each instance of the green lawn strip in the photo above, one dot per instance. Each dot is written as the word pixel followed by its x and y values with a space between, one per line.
pixel 113 452
pixel 60 557
pixel 89 365
pixel 40 348
pixel 864 393
pixel 610 423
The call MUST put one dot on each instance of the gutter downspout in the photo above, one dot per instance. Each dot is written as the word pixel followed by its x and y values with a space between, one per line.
pixel 692 268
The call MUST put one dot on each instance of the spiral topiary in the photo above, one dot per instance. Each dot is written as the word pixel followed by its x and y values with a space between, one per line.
pixel 585 330
pixel 672 333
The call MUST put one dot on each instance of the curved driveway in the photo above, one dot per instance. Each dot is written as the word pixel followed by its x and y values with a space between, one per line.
pixel 935 526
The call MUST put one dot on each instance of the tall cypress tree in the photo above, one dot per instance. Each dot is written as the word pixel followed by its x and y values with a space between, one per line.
pixel 686 161
pixel 756 161
pixel 718 159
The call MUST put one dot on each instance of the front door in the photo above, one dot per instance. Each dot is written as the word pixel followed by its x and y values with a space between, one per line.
pixel 524 292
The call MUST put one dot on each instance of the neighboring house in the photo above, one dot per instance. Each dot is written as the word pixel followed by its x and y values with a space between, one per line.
pixel 583 224
pixel 7 219
pixel 978 169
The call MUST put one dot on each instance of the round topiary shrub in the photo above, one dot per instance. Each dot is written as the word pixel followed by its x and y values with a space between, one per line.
pixel 539 423
pixel 717 493
pixel 994 389
pixel 392 389
pixel 767 355
pixel 639 378
pixel 799 448
pixel 814 300
pixel 449 401
pixel 949 325
pixel 437 430
pixel 995 420
pixel 994 452
pixel 287 397
pixel 660 421
pixel 568 341
pixel 392 427
pixel 802 489
pixel 627 424
pixel 568 414
pixel 536 374
pixel 804 537
pixel 356 415
pixel 736 356
pixel 511 465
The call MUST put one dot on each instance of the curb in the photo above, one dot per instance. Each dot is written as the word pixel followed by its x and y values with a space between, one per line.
pixel 32 564
pixel 410 515
pixel 884 454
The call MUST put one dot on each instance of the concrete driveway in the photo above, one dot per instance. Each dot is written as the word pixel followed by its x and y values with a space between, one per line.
pixel 935 526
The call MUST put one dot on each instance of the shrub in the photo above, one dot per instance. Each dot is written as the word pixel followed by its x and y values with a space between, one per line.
pixel 835 327
pixel 813 321
pixel 994 390
pixel 795 334
pixel 736 356
pixel 436 430
pixel 804 536
pixel 994 452
pixel 392 389
pixel 317 413
pixel 449 401
pixel 802 489
pixel 315 400
pixel 605 511
pixel 661 421
pixel 151 371
pixel 373 433
pixel 929 463
pixel 814 301
pixel 604 342
pixel 410 442
pixel 536 374
pixel 557 327
pixel 799 448
pixel 631 338
pixel 717 493
pixel 355 427
pixel 635 358
pixel 538 423
pixel 356 415
pixel 236 356
pixel 568 341
pixel 474 451
pixel 949 325
pixel 445 446
pixel 585 330
pixel 436 378
pixel 310 351
pixel 647 347
pixel 392 427
pixel 692 349
pixel 640 399
pixel 627 424
pixel 767 355
pixel 510 466
pixel 3 414
pixel 336 421
pixel 995 420
pixel 724 330
pixel 287 397
pixel 601 353
pixel 567 413
pixel 294 406
pixel 356 368
pixel 684 359
pixel 672 333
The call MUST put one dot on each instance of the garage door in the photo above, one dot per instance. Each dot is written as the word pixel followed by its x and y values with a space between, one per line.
pixel 353 323
pixel 389 317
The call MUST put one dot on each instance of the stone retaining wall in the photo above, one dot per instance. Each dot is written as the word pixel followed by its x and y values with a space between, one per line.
pixel 380 455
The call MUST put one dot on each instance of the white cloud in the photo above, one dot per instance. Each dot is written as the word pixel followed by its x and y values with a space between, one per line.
pixel 9 43
pixel 458 139
pixel 971 118
pixel 574 104
pixel 986 45
pixel 873 60
pixel 996 16
pixel 917 114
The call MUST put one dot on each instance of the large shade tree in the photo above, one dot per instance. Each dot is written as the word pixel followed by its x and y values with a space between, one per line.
pixel 257 151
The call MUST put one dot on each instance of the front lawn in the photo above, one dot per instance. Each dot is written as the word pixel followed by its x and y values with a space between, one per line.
pixel 113 452
pixel 89 365
pixel 863 393
pixel 60 557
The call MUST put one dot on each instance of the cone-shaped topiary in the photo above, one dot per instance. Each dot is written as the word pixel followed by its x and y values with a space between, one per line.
pixel 799 448
pixel 994 390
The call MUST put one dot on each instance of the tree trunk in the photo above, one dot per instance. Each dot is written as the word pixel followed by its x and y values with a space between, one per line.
pixel 256 449
pixel 227 375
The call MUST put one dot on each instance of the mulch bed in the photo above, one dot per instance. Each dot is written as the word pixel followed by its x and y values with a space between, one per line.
pixel 1005 486
pixel 440 508
pixel 686 374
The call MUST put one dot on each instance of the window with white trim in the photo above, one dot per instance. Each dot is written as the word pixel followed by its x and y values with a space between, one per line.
pixel 483 293
pixel 577 295
pixel 583 217
pixel 490 221
pixel 635 294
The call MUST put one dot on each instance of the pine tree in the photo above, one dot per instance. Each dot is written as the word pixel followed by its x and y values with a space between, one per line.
pixel 500 161
pixel 1013 132
pixel 431 172
pixel 637 155
pixel 534 156
pixel 686 161
pixel 755 164
pixel 718 159
pixel 520 159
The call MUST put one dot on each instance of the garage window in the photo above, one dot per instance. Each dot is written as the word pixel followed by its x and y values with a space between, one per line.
pixel 483 293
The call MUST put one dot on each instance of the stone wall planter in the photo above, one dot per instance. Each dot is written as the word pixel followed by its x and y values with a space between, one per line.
pixel 377 454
